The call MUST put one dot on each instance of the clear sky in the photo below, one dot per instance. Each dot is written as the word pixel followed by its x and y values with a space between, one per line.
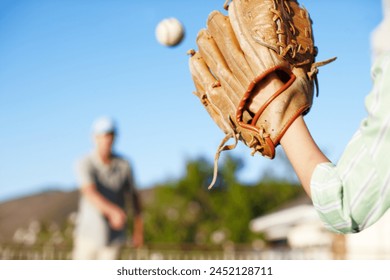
pixel 64 63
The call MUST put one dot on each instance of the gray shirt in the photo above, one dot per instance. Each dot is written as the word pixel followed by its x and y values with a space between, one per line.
pixel 114 181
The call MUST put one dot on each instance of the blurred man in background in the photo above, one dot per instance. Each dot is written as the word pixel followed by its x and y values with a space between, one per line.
pixel 105 179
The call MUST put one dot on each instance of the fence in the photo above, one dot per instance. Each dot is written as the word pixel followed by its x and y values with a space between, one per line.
pixel 163 252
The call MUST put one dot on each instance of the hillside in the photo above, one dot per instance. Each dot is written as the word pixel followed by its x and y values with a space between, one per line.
pixel 52 206
pixel 46 207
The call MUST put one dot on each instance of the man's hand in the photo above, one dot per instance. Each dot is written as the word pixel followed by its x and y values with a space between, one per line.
pixel 115 215
pixel 116 218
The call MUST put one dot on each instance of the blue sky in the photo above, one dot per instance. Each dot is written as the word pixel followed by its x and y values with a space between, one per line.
pixel 64 63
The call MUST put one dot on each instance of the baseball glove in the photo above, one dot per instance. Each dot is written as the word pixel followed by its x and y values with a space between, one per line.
pixel 255 71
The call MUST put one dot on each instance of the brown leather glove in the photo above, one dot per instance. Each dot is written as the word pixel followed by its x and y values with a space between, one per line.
pixel 255 71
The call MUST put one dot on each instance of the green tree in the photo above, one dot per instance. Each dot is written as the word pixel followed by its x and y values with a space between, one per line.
pixel 185 211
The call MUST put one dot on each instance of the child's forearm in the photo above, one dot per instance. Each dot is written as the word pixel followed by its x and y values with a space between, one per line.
pixel 302 152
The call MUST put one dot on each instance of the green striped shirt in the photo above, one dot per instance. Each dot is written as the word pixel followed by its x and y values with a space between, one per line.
pixel 353 194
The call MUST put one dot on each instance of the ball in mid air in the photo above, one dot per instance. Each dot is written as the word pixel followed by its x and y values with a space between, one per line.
pixel 170 32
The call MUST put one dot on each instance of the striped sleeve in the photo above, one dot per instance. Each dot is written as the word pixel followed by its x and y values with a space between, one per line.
pixel 355 193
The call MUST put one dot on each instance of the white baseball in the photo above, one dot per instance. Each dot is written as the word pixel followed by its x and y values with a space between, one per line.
pixel 169 32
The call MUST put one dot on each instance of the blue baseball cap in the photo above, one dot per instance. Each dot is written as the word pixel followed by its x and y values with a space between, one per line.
pixel 104 125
